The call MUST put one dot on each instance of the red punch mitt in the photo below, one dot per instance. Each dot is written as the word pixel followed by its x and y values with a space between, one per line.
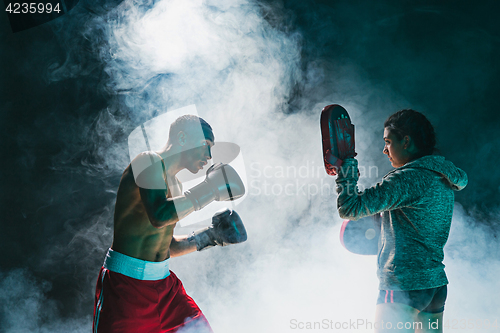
pixel 338 137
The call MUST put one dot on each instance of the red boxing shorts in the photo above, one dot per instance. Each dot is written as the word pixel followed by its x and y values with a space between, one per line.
pixel 134 295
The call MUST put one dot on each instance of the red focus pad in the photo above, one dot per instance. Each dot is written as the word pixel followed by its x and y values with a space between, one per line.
pixel 361 236
pixel 338 137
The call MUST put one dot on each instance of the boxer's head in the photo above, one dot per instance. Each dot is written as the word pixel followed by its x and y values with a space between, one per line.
pixel 408 135
pixel 193 138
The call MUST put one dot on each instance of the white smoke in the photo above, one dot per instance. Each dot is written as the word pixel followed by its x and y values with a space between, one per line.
pixel 25 306
pixel 221 56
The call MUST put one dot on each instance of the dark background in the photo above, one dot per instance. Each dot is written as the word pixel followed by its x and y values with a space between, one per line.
pixel 442 56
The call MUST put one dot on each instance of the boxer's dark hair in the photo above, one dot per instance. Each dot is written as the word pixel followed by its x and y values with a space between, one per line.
pixel 417 126
pixel 188 121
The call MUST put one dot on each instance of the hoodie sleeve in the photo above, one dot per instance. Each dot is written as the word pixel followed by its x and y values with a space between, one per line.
pixel 396 190
pixel 455 176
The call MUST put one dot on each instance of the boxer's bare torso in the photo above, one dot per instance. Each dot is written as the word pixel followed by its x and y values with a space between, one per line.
pixel 134 235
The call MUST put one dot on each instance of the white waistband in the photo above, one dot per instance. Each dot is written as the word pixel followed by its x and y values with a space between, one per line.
pixel 136 268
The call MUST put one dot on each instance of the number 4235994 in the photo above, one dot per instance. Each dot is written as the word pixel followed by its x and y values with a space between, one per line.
pixel 32 8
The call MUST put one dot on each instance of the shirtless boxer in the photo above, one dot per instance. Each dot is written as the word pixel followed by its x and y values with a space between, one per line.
pixel 136 291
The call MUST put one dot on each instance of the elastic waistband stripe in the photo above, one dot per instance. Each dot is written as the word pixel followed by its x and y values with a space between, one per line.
pixel 136 268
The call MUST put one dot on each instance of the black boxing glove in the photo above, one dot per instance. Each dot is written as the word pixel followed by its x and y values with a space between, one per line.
pixel 227 228
pixel 222 183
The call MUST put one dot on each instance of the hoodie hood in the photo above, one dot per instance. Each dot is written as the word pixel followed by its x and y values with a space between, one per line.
pixel 456 177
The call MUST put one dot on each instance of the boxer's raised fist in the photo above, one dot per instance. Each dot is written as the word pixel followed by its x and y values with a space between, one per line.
pixel 222 183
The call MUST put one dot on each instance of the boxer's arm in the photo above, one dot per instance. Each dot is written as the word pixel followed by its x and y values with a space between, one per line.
pixel 395 191
pixel 181 246
pixel 161 211
pixel 222 183
pixel 227 228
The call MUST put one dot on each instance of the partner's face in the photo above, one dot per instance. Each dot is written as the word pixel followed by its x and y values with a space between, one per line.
pixel 395 149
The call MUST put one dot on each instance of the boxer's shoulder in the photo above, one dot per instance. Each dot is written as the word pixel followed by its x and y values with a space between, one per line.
pixel 149 171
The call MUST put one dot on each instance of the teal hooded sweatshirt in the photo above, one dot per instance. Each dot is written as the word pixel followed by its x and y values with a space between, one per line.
pixel 416 204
